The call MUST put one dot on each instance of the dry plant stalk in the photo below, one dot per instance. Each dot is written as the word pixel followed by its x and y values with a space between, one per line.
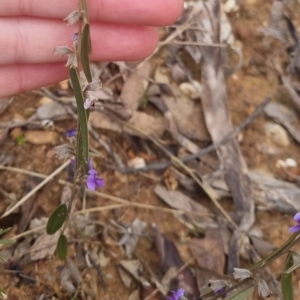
pixel 215 107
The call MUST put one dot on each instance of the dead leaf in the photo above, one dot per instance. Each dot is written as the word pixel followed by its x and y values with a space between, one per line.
pixel 132 236
pixel 125 277
pixel 52 111
pixel 209 251
pixel 44 246
pixel 135 269
pixel 169 258
pixel 135 295
pixel 179 201
pixel 286 117
pixel 154 126
pixel 135 86
pixel 187 114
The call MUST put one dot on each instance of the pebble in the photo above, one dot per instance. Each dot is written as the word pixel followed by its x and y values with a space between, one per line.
pixel 277 134
pixel 41 137
pixel 45 100
pixel 137 162
pixel 290 162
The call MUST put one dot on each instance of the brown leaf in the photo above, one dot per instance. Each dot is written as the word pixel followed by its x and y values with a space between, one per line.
pixel 179 201
pixel 29 207
pixel 148 124
pixel 286 117
pixel 135 269
pixel 209 251
pixel 169 258
pixel 188 115
pixel 134 87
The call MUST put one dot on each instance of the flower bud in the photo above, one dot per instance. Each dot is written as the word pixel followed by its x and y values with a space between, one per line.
pixel 72 61
pixel 73 17
pixel 241 274
pixel 62 50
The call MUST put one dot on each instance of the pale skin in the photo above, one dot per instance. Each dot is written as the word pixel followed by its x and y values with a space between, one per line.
pixel 121 30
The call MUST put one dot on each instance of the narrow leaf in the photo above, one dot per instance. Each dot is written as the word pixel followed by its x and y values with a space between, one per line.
pixel 286 280
pixel 83 134
pixel 57 219
pixel 85 51
pixel 62 247
pixel 2 259
pixel 6 242
pixel 3 294
pixel 242 295
pixel 2 231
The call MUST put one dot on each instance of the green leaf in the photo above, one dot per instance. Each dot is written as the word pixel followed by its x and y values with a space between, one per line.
pixel 83 137
pixel 62 247
pixel 3 294
pixel 286 280
pixel 6 242
pixel 242 295
pixel 2 231
pixel 85 50
pixel 57 219
pixel 3 259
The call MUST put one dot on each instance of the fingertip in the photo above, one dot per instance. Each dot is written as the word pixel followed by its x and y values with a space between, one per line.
pixel 129 43
pixel 174 9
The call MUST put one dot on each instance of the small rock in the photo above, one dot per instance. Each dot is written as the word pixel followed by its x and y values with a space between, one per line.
pixel 64 85
pixel 290 162
pixel 45 100
pixel 277 134
pixel 191 90
pixel 16 132
pixel 41 137
pixel 230 6
pixel 137 162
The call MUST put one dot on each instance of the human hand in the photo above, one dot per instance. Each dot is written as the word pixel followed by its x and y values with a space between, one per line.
pixel 30 29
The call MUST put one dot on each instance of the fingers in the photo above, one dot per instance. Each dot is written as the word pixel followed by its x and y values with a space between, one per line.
pixel 138 12
pixel 18 78
pixel 30 40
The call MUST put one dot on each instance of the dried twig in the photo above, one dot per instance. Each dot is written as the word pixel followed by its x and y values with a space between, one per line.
pixel 39 186
pixel 164 164
pixel 106 196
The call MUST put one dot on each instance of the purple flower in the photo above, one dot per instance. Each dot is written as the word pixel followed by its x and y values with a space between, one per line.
pixel 220 291
pixel 296 228
pixel 176 295
pixel 75 37
pixel 71 133
pixel 93 181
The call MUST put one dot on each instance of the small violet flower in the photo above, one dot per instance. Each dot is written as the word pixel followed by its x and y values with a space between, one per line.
pixel 296 228
pixel 177 295
pixel 71 133
pixel 93 181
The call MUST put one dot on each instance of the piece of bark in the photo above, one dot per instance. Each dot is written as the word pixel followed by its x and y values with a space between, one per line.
pixel 217 117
